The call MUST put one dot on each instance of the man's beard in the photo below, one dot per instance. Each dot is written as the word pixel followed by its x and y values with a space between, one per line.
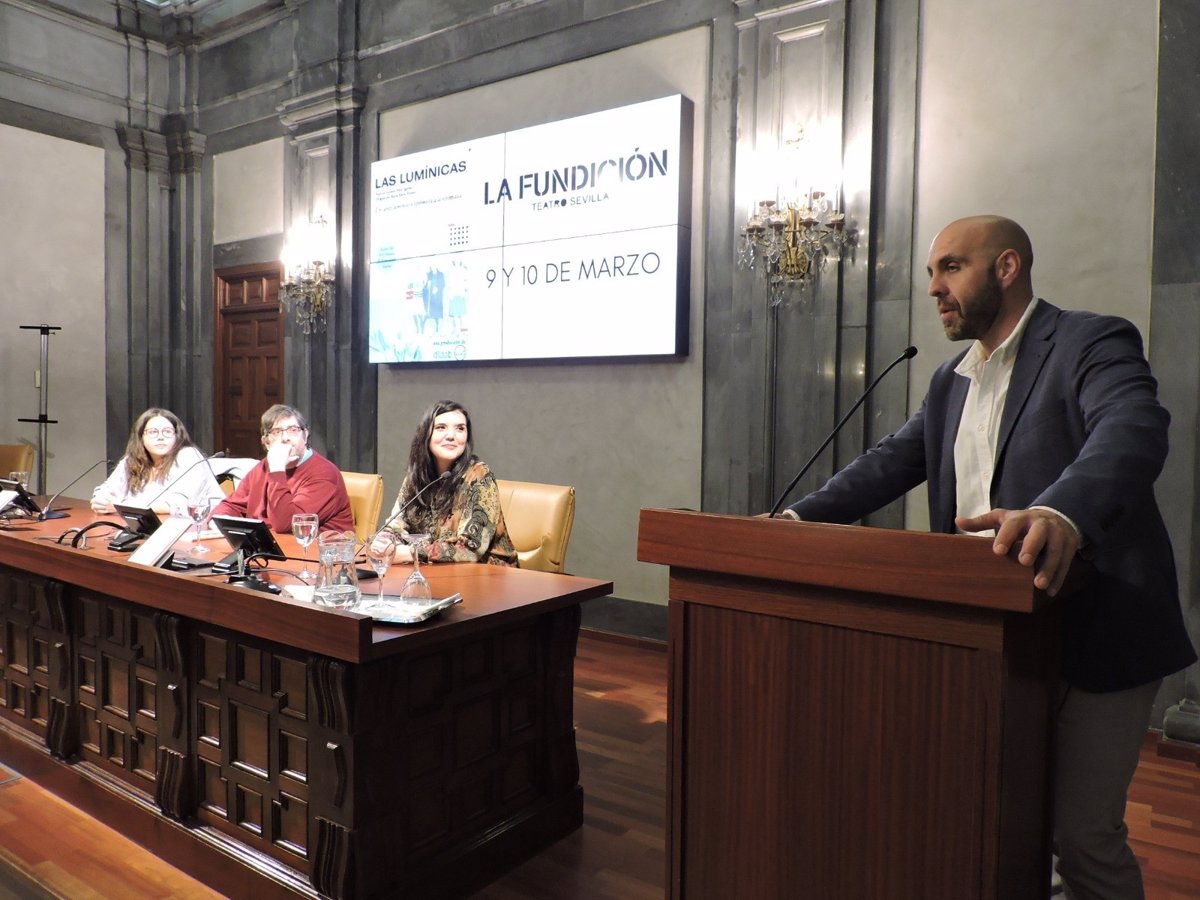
pixel 977 317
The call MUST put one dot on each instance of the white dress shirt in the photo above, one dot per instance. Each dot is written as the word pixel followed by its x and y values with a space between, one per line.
pixel 979 429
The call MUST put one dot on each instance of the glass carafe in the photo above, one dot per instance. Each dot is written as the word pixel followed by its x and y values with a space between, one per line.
pixel 337 581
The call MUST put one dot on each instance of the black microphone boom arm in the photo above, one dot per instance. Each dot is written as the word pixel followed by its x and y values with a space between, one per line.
pixel 48 511
pixel 909 353
pixel 178 478
pixel 403 508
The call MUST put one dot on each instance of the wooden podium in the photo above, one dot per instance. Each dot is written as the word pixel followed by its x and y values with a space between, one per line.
pixel 853 712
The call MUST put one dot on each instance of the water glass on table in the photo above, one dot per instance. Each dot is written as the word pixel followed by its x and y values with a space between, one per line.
pixel 381 552
pixel 416 587
pixel 199 509
pixel 304 530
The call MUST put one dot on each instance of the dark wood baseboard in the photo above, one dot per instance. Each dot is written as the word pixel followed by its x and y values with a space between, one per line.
pixel 616 615
pixel 16 884
pixel 627 640
pixel 1184 751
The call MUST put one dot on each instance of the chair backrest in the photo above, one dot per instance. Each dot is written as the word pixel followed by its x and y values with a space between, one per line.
pixel 539 519
pixel 15 458
pixel 366 499
pixel 230 470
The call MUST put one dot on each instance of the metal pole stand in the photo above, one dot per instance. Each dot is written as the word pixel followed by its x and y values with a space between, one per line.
pixel 43 403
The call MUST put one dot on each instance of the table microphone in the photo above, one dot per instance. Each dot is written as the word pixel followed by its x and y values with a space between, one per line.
pixel 48 512
pixel 909 353
pixel 404 508
pixel 203 459
pixel 127 538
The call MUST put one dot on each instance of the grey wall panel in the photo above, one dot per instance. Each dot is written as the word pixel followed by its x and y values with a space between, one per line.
pixel 261 58
pixel 53 217
pixel 57 49
pixel 807 352
pixel 1175 325
pixel 77 69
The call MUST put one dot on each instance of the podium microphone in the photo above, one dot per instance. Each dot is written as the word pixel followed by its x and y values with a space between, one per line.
pixel 48 511
pixel 909 353
pixel 174 481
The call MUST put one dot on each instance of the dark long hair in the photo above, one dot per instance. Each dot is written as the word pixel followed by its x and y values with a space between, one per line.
pixel 422 468
pixel 139 464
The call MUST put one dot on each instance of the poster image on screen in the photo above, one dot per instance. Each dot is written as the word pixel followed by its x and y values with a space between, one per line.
pixel 568 240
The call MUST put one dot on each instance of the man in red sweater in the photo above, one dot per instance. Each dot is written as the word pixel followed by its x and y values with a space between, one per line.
pixel 292 478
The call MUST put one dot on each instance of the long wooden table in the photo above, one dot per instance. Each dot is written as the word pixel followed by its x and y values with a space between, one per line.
pixel 274 748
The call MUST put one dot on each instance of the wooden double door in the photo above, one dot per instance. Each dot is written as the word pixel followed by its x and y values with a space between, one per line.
pixel 248 363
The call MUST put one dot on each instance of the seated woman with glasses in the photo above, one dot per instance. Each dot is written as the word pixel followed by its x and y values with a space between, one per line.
pixel 159 469
pixel 292 478
pixel 450 495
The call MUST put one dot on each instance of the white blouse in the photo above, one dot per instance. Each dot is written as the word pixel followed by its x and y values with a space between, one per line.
pixel 188 478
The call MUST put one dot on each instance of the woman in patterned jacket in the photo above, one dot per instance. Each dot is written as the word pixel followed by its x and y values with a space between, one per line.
pixel 450 495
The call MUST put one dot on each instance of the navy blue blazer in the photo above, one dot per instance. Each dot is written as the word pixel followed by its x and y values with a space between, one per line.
pixel 1082 432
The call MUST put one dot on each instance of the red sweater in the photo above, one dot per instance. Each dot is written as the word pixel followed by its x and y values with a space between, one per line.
pixel 314 486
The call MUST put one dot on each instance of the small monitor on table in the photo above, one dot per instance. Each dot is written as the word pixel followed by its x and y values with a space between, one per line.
pixel 250 537
pixel 23 500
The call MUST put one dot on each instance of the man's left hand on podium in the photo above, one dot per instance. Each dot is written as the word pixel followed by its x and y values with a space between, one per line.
pixel 1046 540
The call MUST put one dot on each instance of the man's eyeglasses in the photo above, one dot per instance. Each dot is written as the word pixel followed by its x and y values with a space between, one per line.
pixel 290 431
pixel 168 433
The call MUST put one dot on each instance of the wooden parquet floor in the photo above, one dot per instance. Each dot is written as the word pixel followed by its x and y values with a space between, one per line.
pixel 1163 815
pixel 49 850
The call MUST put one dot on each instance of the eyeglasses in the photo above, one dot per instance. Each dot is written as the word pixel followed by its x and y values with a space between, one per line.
pixel 290 431
pixel 168 433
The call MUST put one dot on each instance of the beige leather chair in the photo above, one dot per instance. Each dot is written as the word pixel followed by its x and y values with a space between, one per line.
pixel 366 499
pixel 16 458
pixel 539 519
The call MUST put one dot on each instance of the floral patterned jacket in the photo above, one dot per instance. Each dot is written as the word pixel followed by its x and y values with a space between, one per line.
pixel 472 530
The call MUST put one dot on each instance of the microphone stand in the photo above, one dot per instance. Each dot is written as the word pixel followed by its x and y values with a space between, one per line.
pixel 48 512
pixel 126 539
pixel 174 481
pixel 43 419
pixel 403 509
pixel 253 581
pixel 909 353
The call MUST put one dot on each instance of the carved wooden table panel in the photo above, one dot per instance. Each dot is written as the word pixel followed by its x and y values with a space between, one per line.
pixel 322 755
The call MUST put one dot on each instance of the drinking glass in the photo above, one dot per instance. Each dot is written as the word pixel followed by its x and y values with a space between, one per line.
pixel 21 478
pixel 416 588
pixel 381 551
pixel 199 509
pixel 304 530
